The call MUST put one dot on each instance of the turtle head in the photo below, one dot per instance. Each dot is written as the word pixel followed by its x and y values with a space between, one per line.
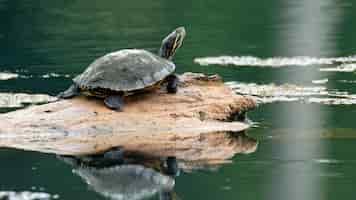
pixel 171 43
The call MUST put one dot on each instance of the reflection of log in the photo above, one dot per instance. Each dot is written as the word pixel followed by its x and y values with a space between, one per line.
pixel 155 123
pixel 217 149
pixel 139 177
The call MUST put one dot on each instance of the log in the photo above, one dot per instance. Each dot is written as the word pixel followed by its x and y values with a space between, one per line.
pixel 190 125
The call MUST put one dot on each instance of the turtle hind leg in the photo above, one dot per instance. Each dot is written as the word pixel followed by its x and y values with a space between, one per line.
pixel 172 86
pixel 172 166
pixel 114 156
pixel 71 92
pixel 114 102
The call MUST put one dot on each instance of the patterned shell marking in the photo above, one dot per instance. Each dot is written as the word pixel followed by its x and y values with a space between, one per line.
pixel 125 70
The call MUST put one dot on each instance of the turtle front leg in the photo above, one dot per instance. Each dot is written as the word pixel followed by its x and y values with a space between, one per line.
pixel 172 86
pixel 114 102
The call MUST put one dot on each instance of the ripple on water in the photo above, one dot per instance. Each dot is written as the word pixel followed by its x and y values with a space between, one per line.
pixel 327 161
pixel 16 100
pixel 321 81
pixel 333 101
pixel 273 90
pixel 351 67
pixel 8 75
pixel 347 81
pixel 55 75
pixel 269 93
pixel 26 195
pixel 11 75
pixel 271 62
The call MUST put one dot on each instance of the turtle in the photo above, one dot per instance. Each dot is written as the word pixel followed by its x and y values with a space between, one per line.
pixel 129 71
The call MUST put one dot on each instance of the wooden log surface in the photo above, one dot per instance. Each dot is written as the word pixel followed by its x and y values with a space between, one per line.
pixel 191 125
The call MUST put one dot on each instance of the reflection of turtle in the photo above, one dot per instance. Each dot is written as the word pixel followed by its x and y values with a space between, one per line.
pixel 127 72
pixel 116 156
pixel 119 177
pixel 126 181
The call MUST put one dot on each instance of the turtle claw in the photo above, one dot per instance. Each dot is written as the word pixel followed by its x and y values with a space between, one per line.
pixel 114 102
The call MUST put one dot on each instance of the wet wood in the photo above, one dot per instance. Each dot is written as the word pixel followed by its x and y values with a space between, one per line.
pixel 183 124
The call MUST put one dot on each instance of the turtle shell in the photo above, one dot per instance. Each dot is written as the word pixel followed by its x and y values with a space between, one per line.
pixel 125 70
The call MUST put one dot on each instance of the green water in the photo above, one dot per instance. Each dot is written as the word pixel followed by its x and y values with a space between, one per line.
pixel 306 151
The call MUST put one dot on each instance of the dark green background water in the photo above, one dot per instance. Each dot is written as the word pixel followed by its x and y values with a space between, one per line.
pixel 306 151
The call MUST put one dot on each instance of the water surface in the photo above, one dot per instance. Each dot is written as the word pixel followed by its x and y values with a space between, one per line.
pixel 306 150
